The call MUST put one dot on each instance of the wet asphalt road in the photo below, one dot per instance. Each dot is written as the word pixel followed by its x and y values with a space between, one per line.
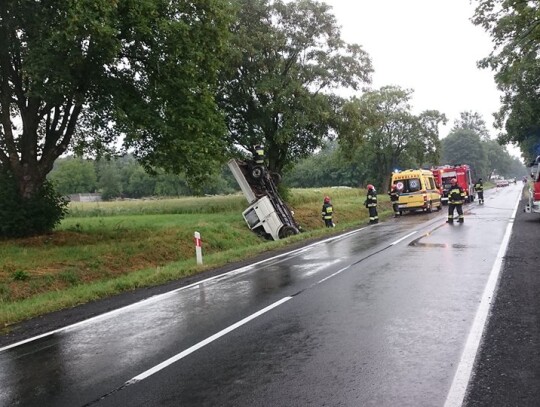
pixel 379 316
pixel 507 371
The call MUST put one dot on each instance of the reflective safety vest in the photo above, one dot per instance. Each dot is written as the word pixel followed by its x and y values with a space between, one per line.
pixel 456 195
pixel 327 211
pixel 259 155
pixel 394 195
pixel 371 200
pixel 478 187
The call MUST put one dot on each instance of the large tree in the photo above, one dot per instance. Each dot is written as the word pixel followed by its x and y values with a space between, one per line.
pixel 464 146
pixel 472 121
pixel 79 74
pixel 497 158
pixel 469 143
pixel 381 122
pixel 514 26
pixel 285 62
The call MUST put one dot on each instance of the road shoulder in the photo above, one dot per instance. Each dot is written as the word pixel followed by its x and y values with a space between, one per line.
pixel 507 368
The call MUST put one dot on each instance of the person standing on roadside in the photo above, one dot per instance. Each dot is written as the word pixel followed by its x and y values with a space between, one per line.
pixel 479 188
pixel 328 212
pixel 371 204
pixel 394 198
pixel 456 197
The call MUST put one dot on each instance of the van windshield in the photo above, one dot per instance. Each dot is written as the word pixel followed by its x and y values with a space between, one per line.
pixel 409 185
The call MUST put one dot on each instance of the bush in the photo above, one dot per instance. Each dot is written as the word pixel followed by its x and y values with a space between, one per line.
pixel 26 217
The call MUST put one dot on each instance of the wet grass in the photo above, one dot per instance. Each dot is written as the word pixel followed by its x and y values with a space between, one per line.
pixel 102 249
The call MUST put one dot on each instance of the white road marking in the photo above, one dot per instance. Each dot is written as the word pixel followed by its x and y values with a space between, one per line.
pixel 456 394
pixel 162 296
pixel 203 343
pixel 403 238
pixel 332 275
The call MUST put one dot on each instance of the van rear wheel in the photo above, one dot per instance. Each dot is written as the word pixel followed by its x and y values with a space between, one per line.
pixel 429 208
pixel 257 172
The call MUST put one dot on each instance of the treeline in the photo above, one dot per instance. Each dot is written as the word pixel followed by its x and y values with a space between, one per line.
pixel 467 143
pixel 514 29
pixel 125 178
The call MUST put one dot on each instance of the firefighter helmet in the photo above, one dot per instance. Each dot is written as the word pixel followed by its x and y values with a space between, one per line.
pixel 326 199
pixel 370 186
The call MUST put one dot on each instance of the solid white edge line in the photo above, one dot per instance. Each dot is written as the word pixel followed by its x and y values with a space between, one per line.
pixel 403 238
pixel 203 343
pixel 159 297
pixel 456 394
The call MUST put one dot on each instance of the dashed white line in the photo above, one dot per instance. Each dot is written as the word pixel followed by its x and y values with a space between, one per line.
pixel 332 275
pixel 403 238
pixel 203 343
pixel 160 297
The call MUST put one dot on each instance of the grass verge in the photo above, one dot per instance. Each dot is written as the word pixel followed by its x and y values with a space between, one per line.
pixel 103 249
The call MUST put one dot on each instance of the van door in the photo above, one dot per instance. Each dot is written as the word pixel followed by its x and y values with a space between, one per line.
pixel 410 196
pixel 433 193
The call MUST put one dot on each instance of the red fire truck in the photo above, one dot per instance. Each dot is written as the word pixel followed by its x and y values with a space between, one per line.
pixel 533 206
pixel 462 173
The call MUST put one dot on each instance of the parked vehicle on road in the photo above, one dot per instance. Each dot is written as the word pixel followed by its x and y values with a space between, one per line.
pixel 462 173
pixel 533 206
pixel 417 190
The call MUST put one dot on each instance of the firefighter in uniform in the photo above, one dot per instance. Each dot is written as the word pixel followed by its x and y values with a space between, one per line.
pixel 479 188
pixel 456 197
pixel 394 198
pixel 258 154
pixel 327 212
pixel 371 204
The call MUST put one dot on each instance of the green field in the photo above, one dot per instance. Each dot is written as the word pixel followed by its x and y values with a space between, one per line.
pixel 105 248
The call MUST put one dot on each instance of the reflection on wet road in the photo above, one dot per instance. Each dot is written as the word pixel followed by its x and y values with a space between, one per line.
pixel 377 316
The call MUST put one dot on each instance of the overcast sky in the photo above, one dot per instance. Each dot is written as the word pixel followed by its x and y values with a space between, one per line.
pixel 429 46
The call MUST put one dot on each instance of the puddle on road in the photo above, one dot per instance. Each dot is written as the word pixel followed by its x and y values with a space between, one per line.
pixel 443 245
pixel 417 243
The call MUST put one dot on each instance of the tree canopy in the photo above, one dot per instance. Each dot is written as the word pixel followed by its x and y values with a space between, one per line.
pixel 514 26
pixel 74 176
pixel 382 124
pixel 285 60
pixel 469 143
pixel 473 121
pixel 464 146
pixel 82 74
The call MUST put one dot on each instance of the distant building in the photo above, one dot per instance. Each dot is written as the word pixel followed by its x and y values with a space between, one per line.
pixel 85 198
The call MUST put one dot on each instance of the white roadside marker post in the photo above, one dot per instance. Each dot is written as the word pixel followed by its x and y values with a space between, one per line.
pixel 198 247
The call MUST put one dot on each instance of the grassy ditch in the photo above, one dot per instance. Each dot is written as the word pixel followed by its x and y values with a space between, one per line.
pixel 102 249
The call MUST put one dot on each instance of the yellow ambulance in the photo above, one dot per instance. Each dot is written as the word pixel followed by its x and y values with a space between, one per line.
pixel 417 190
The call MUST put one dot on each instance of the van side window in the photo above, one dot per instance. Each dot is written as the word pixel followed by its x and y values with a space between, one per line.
pixel 432 183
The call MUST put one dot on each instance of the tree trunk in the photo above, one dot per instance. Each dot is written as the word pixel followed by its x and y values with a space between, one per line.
pixel 275 161
pixel 29 181
pixel 386 183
